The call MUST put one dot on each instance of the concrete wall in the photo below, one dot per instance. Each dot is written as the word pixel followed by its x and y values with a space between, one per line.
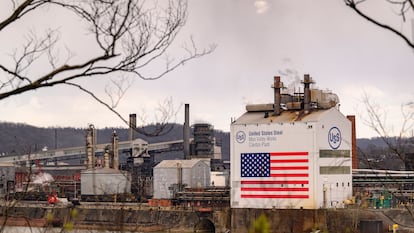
pixel 135 218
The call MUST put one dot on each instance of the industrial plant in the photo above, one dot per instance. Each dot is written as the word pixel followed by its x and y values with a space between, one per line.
pixel 98 175
pixel 297 157
pixel 296 153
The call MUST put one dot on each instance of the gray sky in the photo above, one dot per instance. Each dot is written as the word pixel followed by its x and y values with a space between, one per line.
pixel 255 40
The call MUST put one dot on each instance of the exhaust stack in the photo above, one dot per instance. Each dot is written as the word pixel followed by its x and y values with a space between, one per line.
pixel 115 150
pixel 90 147
pixel 307 96
pixel 132 126
pixel 186 131
pixel 277 86
pixel 354 144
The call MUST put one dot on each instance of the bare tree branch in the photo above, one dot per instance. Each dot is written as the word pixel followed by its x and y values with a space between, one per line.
pixel 405 6
pixel 24 8
pixel 117 90
pixel 163 126
pixel 376 119
pixel 130 37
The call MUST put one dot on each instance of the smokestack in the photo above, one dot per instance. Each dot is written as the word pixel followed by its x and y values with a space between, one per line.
pixel 276 86
pixel 186 131
pixel 307 97
pixel 115 148
pixel 90 145
pixel 354 145
pixel 132 126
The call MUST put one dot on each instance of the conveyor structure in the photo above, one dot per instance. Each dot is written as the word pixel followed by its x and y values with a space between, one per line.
pixel 139 146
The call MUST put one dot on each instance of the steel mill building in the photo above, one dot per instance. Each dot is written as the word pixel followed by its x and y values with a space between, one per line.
pixel 293 153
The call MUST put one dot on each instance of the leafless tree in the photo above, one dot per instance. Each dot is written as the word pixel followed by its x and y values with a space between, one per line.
pixel 396 140
pixel 128 38
pixel 404 9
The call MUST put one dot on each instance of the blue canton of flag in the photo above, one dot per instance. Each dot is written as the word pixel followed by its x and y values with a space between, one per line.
pixel 255 165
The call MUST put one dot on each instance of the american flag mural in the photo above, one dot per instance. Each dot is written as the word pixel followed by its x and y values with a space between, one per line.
pixel 275 175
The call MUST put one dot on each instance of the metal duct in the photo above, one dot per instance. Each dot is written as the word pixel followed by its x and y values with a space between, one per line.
pixel 186 131
pixel 276 86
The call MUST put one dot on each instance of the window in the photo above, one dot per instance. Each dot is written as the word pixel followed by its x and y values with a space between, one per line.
pixel 334 153
pixel 334 170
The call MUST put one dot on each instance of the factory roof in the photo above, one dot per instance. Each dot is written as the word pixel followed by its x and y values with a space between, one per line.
pixel 102 171
pixel 266 117
pixel 186 163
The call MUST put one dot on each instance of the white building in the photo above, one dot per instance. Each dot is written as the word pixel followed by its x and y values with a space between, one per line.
pixel 219 178
pixel 170 174
pixel 294 158
pixel 105 181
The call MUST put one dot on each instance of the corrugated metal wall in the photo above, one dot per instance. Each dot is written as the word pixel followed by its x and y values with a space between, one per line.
pixel 95 183
pixel 197 176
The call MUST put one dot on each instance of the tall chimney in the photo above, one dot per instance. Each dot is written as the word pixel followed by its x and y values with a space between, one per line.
pixel 307 97
pixel 354 145
pixel 186 131
pixel 276 86
pixel 90 145
pixel 115 148
pixel 132 126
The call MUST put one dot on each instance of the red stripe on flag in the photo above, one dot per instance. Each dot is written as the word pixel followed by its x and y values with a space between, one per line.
pixel 290 168
pixel 287 170
pixel 276 189
pixel 287 153
pixel 273 196
pixel 289 160
pixel 274 182
pixel 290 175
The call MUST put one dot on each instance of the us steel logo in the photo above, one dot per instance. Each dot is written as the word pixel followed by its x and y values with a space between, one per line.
pixel 334 138
pixel 240 136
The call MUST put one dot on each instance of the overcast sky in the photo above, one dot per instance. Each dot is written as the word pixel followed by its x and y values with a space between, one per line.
pixel 255 40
